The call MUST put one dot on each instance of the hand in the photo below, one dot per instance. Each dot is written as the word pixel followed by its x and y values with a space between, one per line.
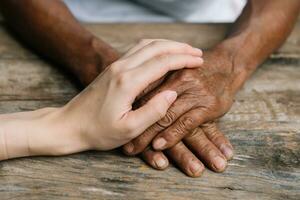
pixel 205 94
pixel 100 117
pixel 102 114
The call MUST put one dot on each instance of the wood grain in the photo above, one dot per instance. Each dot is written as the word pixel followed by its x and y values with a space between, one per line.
pixel 263 125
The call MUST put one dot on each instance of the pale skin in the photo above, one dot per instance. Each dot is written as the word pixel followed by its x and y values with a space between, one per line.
pixel 101 116
pixel 191 140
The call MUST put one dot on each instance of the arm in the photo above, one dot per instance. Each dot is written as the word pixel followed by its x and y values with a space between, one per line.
pixel 260 30
pixel 101 116
pixel 50 28
pixel 207 93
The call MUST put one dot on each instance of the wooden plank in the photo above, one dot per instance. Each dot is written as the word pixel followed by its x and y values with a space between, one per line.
pixel 33 80
pixel 123 36
pixel 263 125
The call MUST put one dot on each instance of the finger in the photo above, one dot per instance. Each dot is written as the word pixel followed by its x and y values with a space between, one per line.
pixel 168 84
pixel 205 150
pixel 218 139
pixel 155 159
pixel 150 88
pixel 151 112
pixel 138 144
pixel 185 160
pixel 141 44
pixel 142 141
pixel 179 129
pixel 158 48
pixel 154 69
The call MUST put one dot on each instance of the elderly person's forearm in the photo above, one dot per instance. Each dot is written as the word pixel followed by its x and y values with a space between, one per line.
pixel 261 29
pixel 50 28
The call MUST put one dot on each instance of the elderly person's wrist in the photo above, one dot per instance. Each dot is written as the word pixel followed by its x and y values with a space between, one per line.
pixel 238 65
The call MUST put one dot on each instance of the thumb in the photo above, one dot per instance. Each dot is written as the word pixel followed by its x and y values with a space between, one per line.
pixel 155 109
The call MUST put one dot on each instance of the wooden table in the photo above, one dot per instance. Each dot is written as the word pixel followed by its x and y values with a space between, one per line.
pixel 263 125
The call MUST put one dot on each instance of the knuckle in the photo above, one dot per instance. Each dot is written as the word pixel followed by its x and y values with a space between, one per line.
pixel 116 67
pixel 186 76
pixel 154 43
pixel 200 85
pixel 159 111
pixel 212 104
pixel 214 135
pixel 121 80
pixel 180 147
pixel 185 46
pixel 177 132
pixel 129 127
pixel 164 60
pixel 186 122
pixel 168 119
pixel 208 150
pixel 194 134
pixel 157 127
pixel 209 126
pixel 141 142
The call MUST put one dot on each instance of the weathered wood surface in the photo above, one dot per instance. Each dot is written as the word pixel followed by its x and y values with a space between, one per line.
pixel 263 125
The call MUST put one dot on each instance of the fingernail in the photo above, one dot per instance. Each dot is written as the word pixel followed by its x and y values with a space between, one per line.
pixel 171 96
pixel 197 49
pixel 195 168
pixel 159 143
pixel 160 162
pixel 129 147
pixel 200 59
pixel 219 163
pixel 227 151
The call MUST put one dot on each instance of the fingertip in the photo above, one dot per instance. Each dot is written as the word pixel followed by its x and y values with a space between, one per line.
pixel 227 151
pixel 155 159
pixel 170 96
pixel 197 62
pixel 128 149
pixel 201 61
pixel 160 163
pixel 159 143
pixel 219 164
pixel 199 51
pixel 195 169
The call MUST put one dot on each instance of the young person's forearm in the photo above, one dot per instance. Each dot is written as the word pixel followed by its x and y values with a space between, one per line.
pixel 261 29
pixel 40 132
pixel 50 28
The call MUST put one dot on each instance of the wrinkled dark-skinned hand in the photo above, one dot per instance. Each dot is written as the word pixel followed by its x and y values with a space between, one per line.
pixel 204 95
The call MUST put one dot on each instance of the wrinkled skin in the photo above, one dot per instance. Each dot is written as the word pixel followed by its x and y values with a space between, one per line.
pixel 204 95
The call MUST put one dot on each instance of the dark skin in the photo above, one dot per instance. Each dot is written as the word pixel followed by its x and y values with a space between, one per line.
pixel 205 94
pixel 50 28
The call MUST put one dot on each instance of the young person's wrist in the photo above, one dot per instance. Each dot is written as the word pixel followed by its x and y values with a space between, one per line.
pixel 41 132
